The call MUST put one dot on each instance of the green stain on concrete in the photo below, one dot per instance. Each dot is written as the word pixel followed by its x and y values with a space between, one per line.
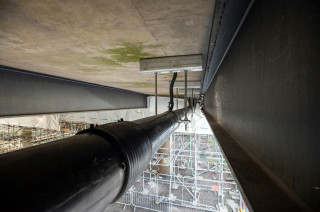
pixel 126 53
pixel 107 61
pixel 152 46
pixel 131 52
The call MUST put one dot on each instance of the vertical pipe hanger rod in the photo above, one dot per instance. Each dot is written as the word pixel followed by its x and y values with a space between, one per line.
pixel 177 97
pixel 156 92
pixel 192 100
pixel 185 98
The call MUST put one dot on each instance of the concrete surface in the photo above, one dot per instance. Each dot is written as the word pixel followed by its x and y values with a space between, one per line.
pixel 102 41
pixel 266 92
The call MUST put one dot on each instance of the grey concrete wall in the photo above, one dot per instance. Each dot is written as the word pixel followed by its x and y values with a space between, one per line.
pixel 266 92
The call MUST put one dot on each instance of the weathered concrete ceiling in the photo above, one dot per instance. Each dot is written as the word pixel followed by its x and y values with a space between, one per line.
pixel 102 41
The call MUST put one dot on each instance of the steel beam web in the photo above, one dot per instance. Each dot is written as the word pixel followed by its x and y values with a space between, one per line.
pixel 25 93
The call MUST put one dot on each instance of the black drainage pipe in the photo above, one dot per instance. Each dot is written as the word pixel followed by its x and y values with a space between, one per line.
pixel 85 172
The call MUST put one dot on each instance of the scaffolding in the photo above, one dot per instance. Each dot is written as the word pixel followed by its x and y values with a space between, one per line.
pixel 13 137
pixel 198 178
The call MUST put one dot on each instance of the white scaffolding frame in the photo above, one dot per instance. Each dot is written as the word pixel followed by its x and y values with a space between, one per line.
pixel 199 178
pixel 12 136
